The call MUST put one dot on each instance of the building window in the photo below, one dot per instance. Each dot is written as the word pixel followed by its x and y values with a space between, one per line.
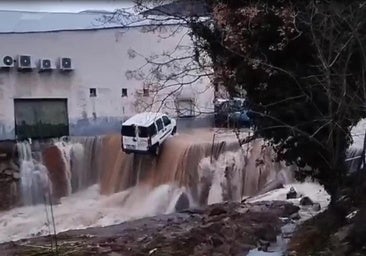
pixel 92 92
pixel 185 107
pixel 124 92
pixel 145 92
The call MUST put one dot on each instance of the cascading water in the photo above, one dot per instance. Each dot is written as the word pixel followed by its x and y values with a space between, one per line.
pixel 192 169
pixel 35 184
pixel 85 164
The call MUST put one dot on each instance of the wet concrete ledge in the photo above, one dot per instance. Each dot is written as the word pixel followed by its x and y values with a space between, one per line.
pixel 221 229
pixel 109 125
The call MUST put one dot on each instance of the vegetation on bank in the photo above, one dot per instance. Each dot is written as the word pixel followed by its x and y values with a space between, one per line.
pixel 300 63
pixel 302 66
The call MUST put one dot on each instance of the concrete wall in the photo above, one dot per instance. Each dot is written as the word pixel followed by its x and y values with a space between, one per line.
pixel 101 60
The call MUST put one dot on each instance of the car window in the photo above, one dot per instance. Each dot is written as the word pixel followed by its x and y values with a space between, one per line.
pixel 159 124
pixel 166 121
pixel 143 132
pixel 152 129
pixel 128 130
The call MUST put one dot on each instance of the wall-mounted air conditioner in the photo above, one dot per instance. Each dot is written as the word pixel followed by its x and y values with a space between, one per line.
pixel 6 61
pixel 65 64
pixel 45 65
pixel 25 62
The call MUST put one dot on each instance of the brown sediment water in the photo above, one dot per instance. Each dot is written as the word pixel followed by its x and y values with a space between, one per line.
pixel 177 163
pixel 205 162
pixel 202 167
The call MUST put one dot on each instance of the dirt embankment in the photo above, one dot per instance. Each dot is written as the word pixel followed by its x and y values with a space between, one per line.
pixel 223 229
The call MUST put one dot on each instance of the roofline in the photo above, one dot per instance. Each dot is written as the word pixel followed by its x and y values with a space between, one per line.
pixel 149 122
pixel 87 29
pixel 44 12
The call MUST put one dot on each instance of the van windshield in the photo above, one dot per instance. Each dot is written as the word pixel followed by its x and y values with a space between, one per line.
pixel 144 132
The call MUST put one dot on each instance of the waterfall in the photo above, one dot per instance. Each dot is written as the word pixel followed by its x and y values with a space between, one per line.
pixel 35 185
pixel 194 169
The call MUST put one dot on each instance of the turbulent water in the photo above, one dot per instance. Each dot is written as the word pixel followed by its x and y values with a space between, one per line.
pixel 35 184
pixel 99 185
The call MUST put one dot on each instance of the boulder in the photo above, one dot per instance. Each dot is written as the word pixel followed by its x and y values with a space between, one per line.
pixel 292 194
pixel 217 211
pixel 263 245
pixel 306 201
pixel 8 172
pixel 182 202
pixel 316 207
pixel 295 216
pixel 16 175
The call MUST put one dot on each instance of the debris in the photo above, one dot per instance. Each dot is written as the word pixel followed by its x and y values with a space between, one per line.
pixel 316 207
pixel 306 201
pixel 153 251
pixel 292 194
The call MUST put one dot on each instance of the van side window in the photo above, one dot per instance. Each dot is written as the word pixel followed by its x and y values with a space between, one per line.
pixel 152 129
pixel 166 121
pixel 160 125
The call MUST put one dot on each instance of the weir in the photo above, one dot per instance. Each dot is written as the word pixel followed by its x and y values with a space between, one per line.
pixel 95 184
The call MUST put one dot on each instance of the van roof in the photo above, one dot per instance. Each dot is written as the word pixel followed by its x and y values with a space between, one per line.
pixel 144 119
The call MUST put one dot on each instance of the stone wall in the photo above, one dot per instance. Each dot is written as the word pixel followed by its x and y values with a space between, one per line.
pixel 9 176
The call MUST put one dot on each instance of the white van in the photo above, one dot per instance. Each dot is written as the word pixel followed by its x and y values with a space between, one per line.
pixel 145 132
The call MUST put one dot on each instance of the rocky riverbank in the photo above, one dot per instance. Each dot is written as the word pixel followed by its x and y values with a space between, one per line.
pixel 222 229
pixel 338 231
pixel 9 176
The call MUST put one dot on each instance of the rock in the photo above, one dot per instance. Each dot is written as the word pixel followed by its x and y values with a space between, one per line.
pixel 356 236
pixel 289 209
pixel 295 216
pixel 8 172
pixel 292 194
pixel 3 166
pixel 14 166
pixel 182 202
pixel 193 211
pixel 263 245
pixel 306 201
pixel 7 149
pixel 245 198
pixel 217 211
pixel 316 207
pixel 288 230
pixel 16 175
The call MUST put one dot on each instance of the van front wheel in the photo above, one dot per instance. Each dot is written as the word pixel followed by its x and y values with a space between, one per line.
pixel 155 150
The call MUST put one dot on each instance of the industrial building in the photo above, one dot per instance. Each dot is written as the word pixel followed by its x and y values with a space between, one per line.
pixel 70 74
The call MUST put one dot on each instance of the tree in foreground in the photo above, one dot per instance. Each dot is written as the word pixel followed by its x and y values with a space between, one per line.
pixel 302 65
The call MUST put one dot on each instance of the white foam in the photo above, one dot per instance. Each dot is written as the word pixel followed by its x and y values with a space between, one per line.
pixel 88 209
pixel 314 191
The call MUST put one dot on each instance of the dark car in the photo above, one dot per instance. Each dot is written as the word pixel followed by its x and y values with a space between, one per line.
pixel 233 113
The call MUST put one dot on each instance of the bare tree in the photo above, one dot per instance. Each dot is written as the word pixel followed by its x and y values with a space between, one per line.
pixel 171 73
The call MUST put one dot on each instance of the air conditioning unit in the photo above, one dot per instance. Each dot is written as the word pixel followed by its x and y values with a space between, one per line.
pixel 6 62
pixel 65 64
pixel 45 65
pixel 25 62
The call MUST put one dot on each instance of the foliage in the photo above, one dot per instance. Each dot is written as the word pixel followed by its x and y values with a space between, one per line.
pixel 302 64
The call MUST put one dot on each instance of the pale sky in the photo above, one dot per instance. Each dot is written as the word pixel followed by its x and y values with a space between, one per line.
pixel 64 5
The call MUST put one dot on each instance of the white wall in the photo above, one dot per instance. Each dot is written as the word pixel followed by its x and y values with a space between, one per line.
pixel 101 60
